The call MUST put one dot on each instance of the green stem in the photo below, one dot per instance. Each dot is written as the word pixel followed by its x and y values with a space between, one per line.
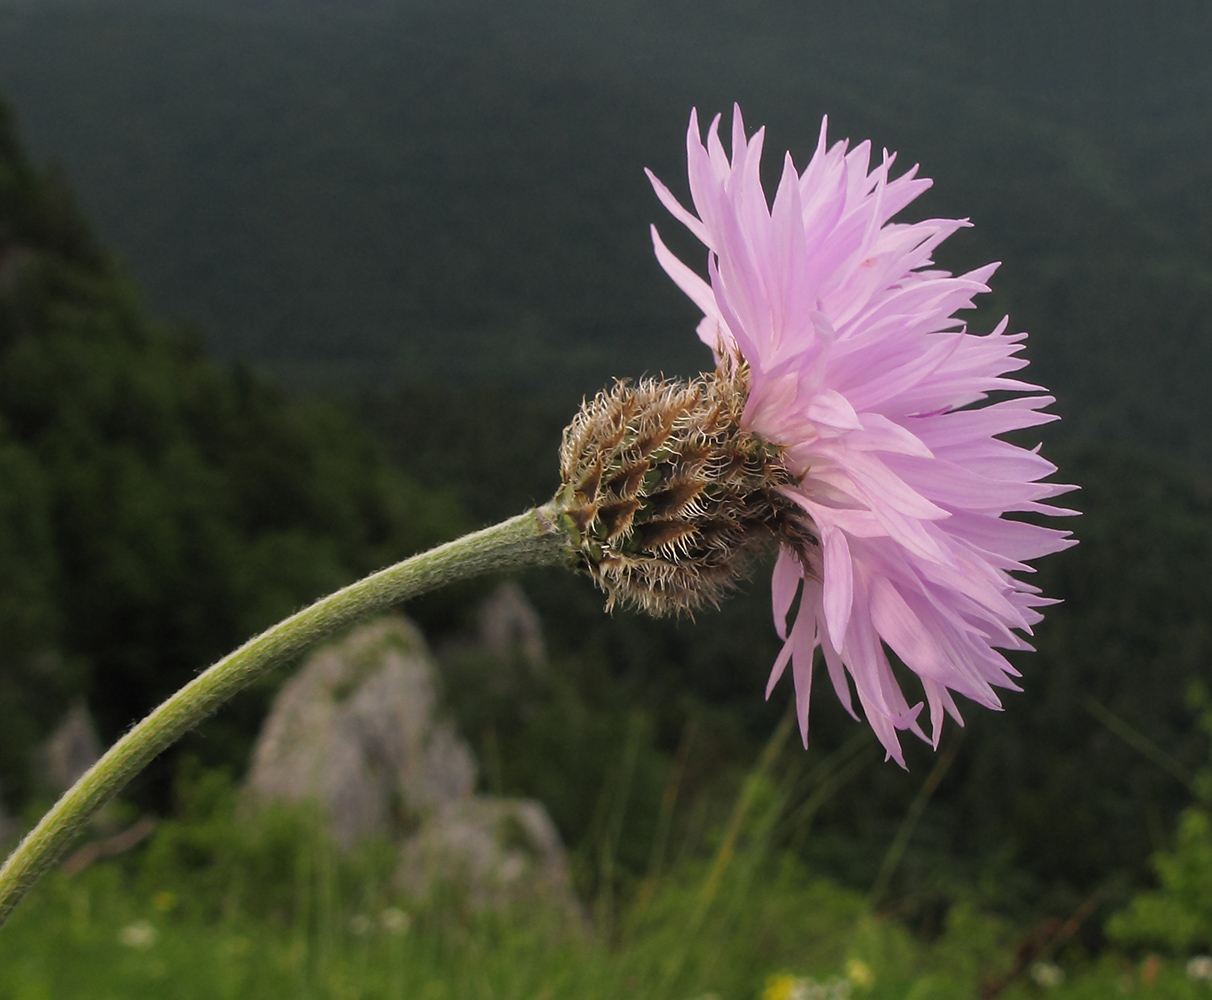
pixel 535 538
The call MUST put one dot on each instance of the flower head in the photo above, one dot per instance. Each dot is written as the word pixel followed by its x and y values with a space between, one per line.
pixel 865 381
pixel 666 496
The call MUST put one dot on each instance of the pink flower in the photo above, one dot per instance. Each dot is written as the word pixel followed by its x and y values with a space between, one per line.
pixel 864 377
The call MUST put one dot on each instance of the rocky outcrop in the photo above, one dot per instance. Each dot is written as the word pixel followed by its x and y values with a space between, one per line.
pixel 359 732
pixel 68 752
pixel 508 627
pixel 356 731
pixel 496 852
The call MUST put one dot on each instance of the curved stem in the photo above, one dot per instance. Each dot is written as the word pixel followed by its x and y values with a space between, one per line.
pixel 535 538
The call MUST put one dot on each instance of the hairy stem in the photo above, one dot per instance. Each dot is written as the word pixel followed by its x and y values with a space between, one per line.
pixel 535 538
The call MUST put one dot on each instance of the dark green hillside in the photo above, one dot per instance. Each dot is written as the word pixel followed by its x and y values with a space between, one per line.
pixel 154 509
pixel 354 192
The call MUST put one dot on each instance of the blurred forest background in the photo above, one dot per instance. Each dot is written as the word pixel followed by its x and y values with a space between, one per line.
pixel 290 289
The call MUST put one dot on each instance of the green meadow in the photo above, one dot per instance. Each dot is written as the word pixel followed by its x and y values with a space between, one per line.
pixel 218 908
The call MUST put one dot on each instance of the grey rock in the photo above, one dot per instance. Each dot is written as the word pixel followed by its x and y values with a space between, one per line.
pixel 508 626
pixel 356 732
pixel 494 851
pixel 68 752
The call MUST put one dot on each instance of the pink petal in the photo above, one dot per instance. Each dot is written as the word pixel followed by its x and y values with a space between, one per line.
pixel 838 585
pixel 801 668
pixel 876 395
pixel 676 210
pixel 784 585
pixel 695 287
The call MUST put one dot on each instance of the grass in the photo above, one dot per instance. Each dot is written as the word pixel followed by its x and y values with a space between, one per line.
pixel 223 906
pixel 103 934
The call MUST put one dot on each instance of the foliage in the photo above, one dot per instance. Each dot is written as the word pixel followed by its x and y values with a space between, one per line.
pixel 227 904
pixel 156 509
pixel 1178 915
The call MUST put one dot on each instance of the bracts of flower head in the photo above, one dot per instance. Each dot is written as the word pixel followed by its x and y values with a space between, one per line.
pixel 883 479
pixel 668 498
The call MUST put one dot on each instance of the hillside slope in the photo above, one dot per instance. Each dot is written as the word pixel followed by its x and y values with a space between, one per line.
pixel 377 191
pixel 155 509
